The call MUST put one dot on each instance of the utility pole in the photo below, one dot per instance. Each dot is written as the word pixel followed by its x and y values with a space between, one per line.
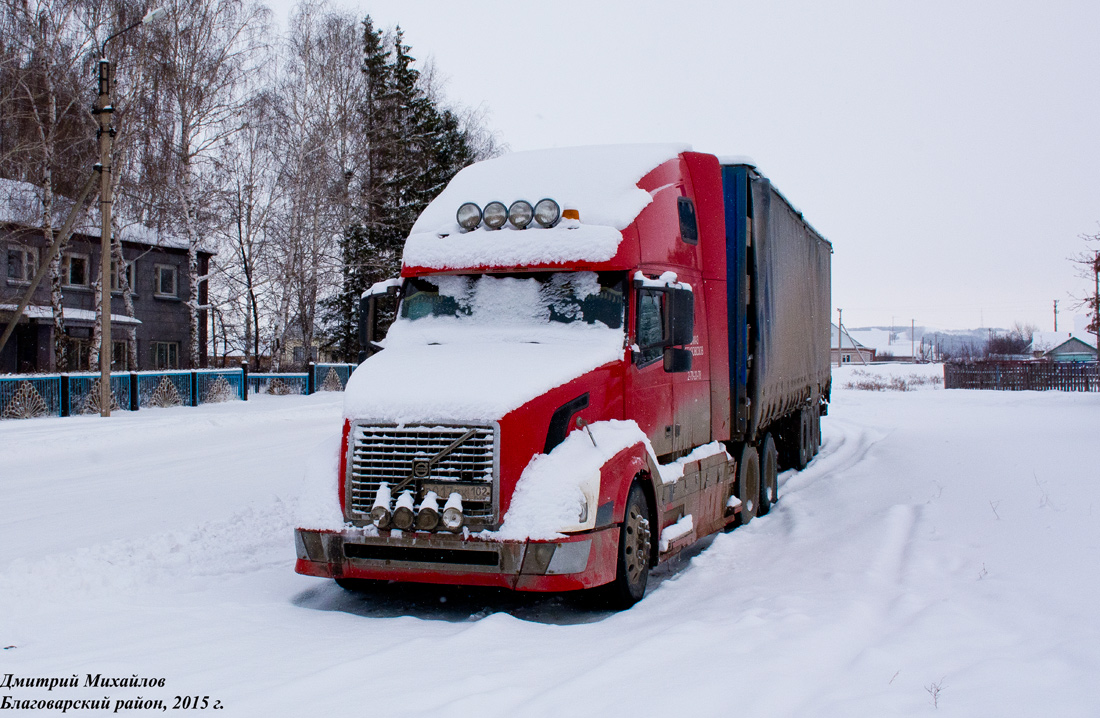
pixel 103 110
pixel 1096 300
pixel 1055 315
pixel 913 340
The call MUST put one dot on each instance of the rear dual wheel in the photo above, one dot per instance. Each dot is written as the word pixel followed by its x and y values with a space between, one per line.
pixel 769 474
pixel 748 483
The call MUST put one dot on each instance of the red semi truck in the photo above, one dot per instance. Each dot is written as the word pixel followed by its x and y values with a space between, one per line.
pixel 576 388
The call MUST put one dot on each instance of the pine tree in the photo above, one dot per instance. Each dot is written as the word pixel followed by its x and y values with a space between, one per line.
pixel 415 148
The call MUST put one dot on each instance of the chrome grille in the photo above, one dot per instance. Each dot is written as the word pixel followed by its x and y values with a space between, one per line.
pixel 382 453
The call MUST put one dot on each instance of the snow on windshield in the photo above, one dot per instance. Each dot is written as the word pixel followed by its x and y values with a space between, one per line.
pixel 473 348
pixel 533 307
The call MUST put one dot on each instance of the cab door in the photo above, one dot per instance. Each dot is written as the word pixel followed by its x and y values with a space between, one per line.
pixel 648 386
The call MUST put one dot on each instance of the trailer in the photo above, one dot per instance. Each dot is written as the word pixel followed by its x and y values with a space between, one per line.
pixel 600 355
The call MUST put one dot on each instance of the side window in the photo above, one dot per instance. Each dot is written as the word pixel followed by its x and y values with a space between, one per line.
pixel 689 228
pixel 649 333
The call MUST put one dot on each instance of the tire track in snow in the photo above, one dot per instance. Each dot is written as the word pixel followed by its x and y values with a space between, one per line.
pixel 251 540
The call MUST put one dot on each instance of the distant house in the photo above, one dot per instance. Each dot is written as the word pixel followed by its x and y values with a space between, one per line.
pixel 848 350
pixel 1076 345
pixel 156 267
pixel 1073 349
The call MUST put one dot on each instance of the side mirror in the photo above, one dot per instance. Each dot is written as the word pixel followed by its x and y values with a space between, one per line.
pixel 677 361
pixel 681 318
pixel 368 316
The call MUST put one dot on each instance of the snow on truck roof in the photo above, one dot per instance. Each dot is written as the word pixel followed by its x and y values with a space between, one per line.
pixel 600 182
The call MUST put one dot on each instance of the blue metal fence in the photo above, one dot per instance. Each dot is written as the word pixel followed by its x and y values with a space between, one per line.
pixel 34 395
pixel 331 377
pixel 278 384
pixel 216 385
pixel 28 397
pixel 164 388
pixel 84 393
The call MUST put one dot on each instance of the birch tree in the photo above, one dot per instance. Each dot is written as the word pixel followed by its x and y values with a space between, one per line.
pixel 48 52
pixel 204 52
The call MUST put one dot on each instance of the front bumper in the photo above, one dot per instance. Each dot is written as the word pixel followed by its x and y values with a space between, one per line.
pixel 570 563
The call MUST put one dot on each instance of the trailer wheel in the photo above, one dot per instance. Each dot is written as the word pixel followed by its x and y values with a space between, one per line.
pixel 815 423
pixel 769 475
pixel 635 550
pixel 805 439
pixel 748 483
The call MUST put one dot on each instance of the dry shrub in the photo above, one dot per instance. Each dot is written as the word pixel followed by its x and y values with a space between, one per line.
pixel 867 381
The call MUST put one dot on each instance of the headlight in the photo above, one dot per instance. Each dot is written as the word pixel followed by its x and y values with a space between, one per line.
pixel 452 513
pixel 380 517
pixel 380 510
pixel 495 215
pixel 469 216
pixel 520 213
pixel 547 213
pixel 428 516
pixel 403 515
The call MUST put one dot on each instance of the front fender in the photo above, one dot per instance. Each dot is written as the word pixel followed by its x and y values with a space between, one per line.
pixel 616 478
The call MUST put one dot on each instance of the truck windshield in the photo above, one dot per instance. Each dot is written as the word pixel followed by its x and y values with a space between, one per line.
pixel 509 299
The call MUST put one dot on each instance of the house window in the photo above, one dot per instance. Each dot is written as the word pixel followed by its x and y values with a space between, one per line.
pixel 128 273
pixel 22 263
pixel 164 281
pixel 74 270
pixel 166 355
pixel 120 357
pixel 78 354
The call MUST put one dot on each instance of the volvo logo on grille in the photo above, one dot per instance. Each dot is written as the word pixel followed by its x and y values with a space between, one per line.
pixel 422 468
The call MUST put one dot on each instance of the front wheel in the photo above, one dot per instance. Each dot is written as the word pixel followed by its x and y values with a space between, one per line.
pixel 635 548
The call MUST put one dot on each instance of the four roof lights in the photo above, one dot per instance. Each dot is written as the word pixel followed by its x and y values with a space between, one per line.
pixel 546 213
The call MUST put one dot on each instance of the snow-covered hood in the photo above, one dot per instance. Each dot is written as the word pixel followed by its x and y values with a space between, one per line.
pixel 469 382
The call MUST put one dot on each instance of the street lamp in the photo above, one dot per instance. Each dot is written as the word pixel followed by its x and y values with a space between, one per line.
pixel 103 110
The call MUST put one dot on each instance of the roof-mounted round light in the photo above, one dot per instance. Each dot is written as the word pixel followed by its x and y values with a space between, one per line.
pixel 495 215
pixel 469 216
pixel 547 212
pixel 520 214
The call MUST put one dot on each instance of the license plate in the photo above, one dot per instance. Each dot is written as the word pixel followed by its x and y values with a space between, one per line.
pixel 467 492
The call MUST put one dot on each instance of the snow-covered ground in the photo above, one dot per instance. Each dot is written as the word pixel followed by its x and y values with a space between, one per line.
pixel 941 539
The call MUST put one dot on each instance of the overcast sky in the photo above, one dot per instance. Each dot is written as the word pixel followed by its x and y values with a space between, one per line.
pixel 950 151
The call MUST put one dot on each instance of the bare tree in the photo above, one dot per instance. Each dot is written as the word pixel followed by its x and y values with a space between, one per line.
pixel 203 54
pixel 46 53
pixel 1088 267
pixel 322 87
pixel 247 201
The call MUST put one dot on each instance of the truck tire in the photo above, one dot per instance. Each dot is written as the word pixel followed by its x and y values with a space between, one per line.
pixel 748 483
pixel 769 475
pixel 815 423
pixel 635 551
pixel 805 438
